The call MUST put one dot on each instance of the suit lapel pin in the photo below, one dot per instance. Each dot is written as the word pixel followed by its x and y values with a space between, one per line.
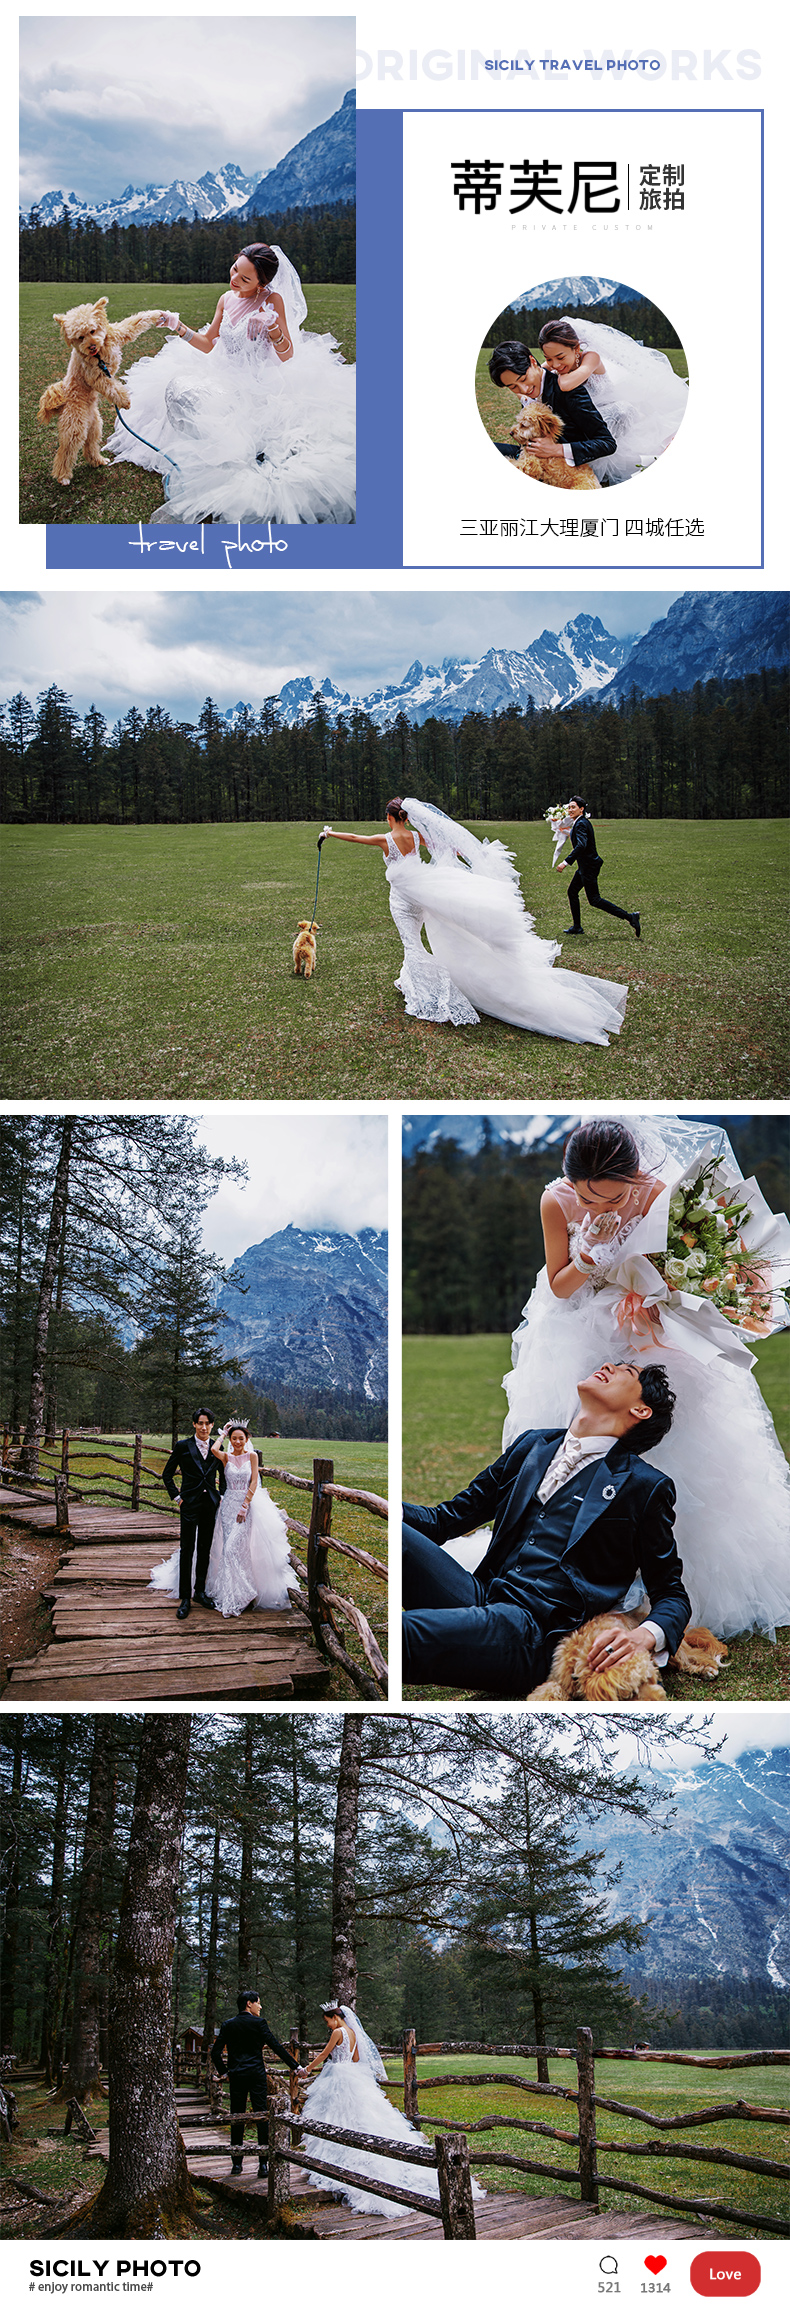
pixel 610 1492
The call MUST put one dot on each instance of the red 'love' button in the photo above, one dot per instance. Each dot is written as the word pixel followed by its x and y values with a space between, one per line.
pixel 725 2271
pixel 655 2262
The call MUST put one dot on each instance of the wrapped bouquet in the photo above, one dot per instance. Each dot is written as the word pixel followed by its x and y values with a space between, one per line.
pixel 708 1268
pixel 559 824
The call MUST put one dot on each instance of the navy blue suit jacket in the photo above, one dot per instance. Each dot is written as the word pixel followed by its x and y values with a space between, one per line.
pixel 585 432
pixel 624 1526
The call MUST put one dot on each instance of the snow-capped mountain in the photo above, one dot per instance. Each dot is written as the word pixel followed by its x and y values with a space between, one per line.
pixel 551 671
pixel 577 289
pixel 705 637
pixel 322 168
pixel 319 170
pixel 467 1131
pixel 315 1312
pixel 713 1886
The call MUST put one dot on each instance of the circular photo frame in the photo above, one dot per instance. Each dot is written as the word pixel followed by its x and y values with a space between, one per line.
pixel 581 383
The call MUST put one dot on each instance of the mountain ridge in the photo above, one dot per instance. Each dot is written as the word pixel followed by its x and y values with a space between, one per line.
pixel 318 171
pixel 314 1311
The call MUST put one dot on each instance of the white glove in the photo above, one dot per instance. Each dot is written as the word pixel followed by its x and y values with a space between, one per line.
pixel 169 320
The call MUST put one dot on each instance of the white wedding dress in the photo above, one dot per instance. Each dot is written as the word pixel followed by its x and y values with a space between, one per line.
pixel 639 397
pixel 249 1562
pixel 346 2093
pixel 484 953
pixel 722 1451
pixel 241 435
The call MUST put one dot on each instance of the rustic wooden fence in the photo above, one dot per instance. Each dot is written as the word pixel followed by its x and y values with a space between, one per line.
pixel 584 2138
pixel 317 1597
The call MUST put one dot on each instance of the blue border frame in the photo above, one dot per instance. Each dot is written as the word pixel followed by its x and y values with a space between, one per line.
pixel 625 569
pixel 376 540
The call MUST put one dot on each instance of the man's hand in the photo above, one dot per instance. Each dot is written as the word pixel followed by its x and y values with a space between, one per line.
pixel 561 868
pixel 545 449
pixel 177 1501
pixel 614 1645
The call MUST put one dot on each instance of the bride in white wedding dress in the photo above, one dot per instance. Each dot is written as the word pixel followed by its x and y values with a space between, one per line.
pixel 639 396
pixel 483 954
pixel 264 428
pixel 592 1303
pixel 346 2092
pixel 250 1557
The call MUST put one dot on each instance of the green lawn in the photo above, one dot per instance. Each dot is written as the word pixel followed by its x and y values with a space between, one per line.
pixel 126 493
pixel 661 2089
pixel 497 406
pixel 125 966
pixel 453 1410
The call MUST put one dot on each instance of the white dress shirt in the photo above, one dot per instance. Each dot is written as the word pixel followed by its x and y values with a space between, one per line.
pixel 203 1448
pixel 574 1452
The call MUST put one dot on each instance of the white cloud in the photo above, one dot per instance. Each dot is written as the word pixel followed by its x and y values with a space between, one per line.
pixel 303 1171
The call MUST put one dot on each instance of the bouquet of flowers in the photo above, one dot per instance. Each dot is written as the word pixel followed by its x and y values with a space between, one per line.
pixel 707 1252
pixel 560 824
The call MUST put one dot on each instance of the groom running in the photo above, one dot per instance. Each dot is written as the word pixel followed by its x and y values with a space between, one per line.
pixel 588 866
pixel 575 1517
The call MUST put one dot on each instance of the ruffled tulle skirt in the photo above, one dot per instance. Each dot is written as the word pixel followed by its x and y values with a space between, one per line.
pixel 249 1562
pixel 642 408
pixel 482 939
pixel 345 2093
pixel 251 439
pixel 722 1452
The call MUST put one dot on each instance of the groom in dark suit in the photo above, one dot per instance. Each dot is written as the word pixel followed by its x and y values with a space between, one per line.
pixel 202 1484
pixel 576 1515
pixel 585 435
pixel 588 863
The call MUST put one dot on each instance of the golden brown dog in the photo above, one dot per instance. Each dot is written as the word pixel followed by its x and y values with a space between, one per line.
pixel 538 423
pixel 304 950
pixel 699 1653
pixel 77 397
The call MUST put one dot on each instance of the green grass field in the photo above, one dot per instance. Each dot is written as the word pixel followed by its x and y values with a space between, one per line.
pixel 496 405
pixel 453 1410
pixel 130 956
pixel 661 2089
pixel 125 493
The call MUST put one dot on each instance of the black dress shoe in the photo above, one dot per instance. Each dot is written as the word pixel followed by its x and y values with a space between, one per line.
pixel 202 1598
pixel 636 924
pixel 263 2170
pixel 574 932
pixel 184 1609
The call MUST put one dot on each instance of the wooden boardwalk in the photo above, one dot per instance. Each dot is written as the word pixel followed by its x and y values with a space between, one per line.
pixel 501 2214
pixel 116 1639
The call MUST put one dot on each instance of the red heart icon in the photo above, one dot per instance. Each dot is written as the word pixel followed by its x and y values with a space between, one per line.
pixel 655 2262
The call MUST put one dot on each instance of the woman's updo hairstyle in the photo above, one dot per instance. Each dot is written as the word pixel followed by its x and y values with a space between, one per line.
pixel 395 809
pixel 243 1426
pixel 263 258
pixel 601 1151
pixel 558 333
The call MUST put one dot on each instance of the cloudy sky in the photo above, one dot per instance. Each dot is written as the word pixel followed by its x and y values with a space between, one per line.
pixel 174 649
pixel 110 101
pixel 347 1190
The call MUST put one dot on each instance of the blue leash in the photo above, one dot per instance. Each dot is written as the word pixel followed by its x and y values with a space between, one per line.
pixel 139 436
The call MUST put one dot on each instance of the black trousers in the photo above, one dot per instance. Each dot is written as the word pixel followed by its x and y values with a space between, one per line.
pixel 453 1635
pixel 589 884
pixel 197 1531
pixel 248 2083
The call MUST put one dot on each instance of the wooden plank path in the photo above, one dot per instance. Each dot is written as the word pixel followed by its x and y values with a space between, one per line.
pixel 501 2214
pixel 116 1639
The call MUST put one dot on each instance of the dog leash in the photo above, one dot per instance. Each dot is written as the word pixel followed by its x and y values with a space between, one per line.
pixel 130 428
pixel 321 839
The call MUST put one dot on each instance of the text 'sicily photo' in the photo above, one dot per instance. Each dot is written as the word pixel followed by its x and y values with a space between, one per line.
pixel 395 1108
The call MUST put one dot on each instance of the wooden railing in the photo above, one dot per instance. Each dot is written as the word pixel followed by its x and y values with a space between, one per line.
pixel 316 1597
pixel 584 2138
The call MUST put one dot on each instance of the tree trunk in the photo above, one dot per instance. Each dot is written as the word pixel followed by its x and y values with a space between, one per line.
pixel 35 1414
pixel 210 2018
pixel 51 1412
pixel 147 2192
pixel 84 2043
pixel 344 1885
pixel 55 1921
pixel 15 1416
pixel 12 1899
pixel 244 1955
pixel 299 1932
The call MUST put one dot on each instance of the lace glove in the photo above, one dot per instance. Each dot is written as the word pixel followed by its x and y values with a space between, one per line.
pixel 169 320
pixel 596 1239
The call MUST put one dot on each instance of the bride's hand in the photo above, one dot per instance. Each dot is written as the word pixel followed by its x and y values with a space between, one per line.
pixel 242 1516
